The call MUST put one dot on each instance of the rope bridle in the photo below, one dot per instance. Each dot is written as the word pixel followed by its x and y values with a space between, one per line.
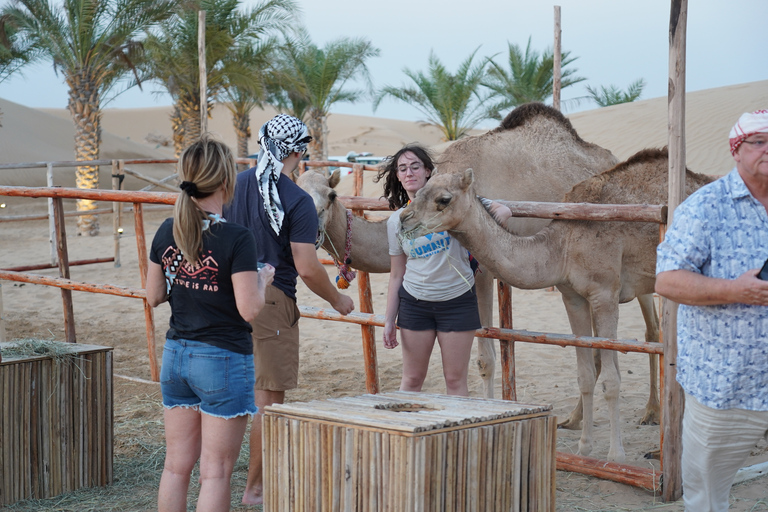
pixel 346 274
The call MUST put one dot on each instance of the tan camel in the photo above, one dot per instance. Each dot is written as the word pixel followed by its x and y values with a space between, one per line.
pixel 595 265
pixel 534 155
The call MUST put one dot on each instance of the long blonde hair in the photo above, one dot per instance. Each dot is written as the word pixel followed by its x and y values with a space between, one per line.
pixel 203 167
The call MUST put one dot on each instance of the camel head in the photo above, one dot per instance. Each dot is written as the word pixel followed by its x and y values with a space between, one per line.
pixel 440 206
pixel 321 189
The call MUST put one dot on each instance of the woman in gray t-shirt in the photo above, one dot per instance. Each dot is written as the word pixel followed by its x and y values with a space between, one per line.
pixel 431 285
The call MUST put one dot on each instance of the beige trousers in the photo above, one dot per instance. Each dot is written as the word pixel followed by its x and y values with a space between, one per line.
pixel 716 443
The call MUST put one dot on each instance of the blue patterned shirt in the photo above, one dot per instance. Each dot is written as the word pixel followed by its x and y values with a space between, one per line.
pixel 720 231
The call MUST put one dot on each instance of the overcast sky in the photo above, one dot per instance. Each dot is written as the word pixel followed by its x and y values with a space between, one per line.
pixel 616 42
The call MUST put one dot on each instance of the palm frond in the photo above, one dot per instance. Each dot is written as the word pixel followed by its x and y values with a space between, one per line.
pixel 452 102
pixel 612 95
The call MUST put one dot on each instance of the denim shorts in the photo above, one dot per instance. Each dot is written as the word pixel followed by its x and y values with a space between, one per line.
pixel 459 314
pixel 215 380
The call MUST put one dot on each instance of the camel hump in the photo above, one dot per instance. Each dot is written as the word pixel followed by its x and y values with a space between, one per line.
pixel 530 111
pixel 641 179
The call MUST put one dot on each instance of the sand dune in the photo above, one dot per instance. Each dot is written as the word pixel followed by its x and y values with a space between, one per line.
pixel 709 116
pixel 31 135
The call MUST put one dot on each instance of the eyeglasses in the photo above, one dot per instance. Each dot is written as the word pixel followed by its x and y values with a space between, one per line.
pixel 414 167
pixel 757 144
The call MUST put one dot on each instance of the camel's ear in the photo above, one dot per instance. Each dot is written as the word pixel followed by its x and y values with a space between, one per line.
pixel 335 178
pixel 467 179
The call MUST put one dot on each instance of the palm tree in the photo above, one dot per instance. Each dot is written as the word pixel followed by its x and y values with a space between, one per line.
pixel 174 54
pixel 246 73
pixel 451 102
pixel 612 95
pixel 93 43
pixel 316 78
pixel 15 50
pixel 528 78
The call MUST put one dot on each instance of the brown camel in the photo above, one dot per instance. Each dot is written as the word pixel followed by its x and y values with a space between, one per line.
pixel 595 265
pixel 534 155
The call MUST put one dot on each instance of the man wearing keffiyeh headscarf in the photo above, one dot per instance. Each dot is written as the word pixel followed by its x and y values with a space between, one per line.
pixel 283 219
pixel 710 263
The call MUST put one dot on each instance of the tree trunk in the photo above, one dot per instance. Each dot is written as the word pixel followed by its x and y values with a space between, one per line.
pixel 84 105
pixel 190 114
pixel 177 124
pixel 316 124
pixel 242 122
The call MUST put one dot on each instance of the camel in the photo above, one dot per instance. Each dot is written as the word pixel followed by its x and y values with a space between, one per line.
pixel 595 265
pixel 534 155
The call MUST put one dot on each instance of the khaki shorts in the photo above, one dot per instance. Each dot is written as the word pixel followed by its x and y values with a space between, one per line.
pixel 276 342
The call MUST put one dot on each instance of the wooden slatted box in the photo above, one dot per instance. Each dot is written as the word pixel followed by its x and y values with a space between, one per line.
pixel 56 428
pixel 409 452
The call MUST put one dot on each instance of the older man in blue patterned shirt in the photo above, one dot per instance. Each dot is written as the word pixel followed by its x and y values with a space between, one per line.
pixel 709 262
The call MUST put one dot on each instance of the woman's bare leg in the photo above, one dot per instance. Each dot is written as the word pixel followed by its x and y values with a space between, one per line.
pixel 417 348
pixel 221 441
pixel 182 440
pixel 456 349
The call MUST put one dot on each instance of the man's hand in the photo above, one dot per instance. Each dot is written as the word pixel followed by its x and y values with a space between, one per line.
pixel 316 278
pixel 343 304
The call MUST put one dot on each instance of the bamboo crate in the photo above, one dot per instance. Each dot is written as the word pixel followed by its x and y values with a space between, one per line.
pixel 409 452
pixel 56 424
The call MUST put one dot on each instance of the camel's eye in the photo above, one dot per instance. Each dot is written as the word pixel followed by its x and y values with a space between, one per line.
pixel 332 196
pixel 443 202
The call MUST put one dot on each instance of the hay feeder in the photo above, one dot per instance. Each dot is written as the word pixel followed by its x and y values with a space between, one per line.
pixel 409 452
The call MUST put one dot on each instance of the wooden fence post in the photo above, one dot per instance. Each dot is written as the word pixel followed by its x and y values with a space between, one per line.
pixel 117 207
pixel 673 403
pixel 61 250
pixel 2 318
pixel 366 304
pixel 557 55
pixel 51 224
pixel 203 73
pixel 149 315
pixel 506 347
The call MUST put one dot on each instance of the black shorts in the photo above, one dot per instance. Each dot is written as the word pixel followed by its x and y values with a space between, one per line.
pixel 458 314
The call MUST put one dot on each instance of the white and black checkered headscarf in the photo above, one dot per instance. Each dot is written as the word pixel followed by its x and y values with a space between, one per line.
pixel 278 138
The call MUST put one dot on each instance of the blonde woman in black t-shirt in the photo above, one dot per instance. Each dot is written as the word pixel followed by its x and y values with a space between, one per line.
pixel 207 269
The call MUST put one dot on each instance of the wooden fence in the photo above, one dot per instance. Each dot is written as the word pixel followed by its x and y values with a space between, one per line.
pixel 641 477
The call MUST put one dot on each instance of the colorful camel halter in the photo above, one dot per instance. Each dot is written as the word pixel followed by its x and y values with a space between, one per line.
pixel 278 138
pixel 346 274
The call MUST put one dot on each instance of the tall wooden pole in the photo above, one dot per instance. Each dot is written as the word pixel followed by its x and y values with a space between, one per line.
pixel 51 224
pixel 556 65
pixel 203 72
pixel 673 403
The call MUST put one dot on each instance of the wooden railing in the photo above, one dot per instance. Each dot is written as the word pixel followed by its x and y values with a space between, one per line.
pixel 641 477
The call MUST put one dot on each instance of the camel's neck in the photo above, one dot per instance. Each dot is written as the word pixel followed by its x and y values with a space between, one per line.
pixel 530 262
pixel 369 250
pixel 336 231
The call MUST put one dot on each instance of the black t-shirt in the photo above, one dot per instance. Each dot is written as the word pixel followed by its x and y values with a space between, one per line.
pixel 299 224
pixel 202 299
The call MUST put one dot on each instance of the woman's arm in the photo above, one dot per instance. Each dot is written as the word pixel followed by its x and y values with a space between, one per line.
pixel 249 290
pixel 396 274
pixel 156 287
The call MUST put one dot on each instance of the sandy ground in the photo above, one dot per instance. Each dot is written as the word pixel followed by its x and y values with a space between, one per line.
pixel 331 363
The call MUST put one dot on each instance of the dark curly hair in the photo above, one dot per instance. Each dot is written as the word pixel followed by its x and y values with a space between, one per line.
pixel 393 189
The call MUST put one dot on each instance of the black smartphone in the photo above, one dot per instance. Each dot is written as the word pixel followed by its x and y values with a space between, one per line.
pixel 260 265
pixel 763 274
